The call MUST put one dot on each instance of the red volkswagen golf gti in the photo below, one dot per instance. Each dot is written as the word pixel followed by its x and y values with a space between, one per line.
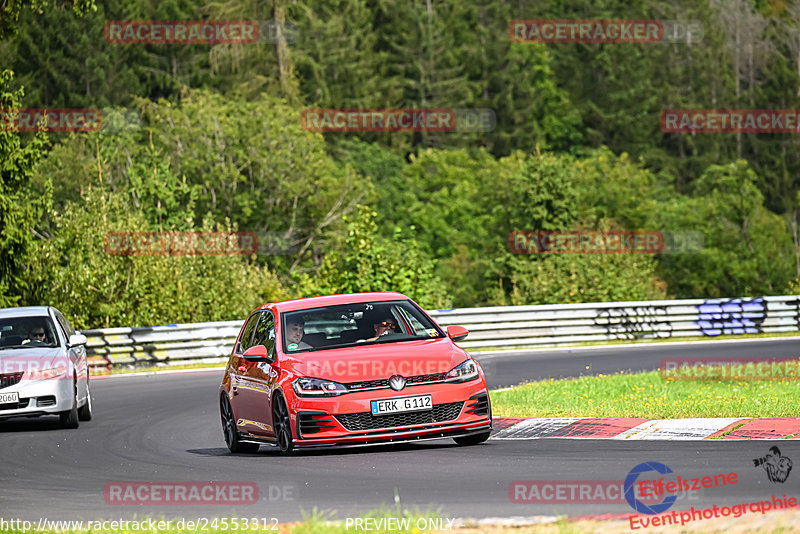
pixel 350 370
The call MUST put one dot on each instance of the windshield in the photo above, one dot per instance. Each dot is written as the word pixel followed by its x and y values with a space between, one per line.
pixel 355 324
pixel 27 332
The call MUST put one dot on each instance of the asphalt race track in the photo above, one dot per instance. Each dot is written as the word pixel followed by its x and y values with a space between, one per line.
pixel 167 428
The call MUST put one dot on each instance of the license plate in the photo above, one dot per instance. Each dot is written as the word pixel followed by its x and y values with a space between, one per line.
pixel 417 403
pixel 8 398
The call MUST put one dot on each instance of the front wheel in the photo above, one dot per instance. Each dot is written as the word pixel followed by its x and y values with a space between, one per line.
pixel 85 411
pixel 283 425
pixel 473 439
pixel 235 445
pixel 69 418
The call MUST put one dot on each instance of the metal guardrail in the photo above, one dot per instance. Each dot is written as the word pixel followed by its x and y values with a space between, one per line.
pixel 492 327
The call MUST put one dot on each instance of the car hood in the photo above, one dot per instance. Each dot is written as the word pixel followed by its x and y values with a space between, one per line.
pixel 376 362
pixel 12 360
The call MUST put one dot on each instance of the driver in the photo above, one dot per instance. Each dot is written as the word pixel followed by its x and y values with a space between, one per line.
pixel 36 334
pixel 295 330
pixel 383 328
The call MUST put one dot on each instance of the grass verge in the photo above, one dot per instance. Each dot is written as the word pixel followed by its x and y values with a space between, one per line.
pixel 648 395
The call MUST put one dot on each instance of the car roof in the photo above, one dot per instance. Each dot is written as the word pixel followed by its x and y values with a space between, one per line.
pixel 332 300
pixel 25 311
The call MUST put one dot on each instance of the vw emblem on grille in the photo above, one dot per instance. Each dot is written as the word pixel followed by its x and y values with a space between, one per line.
pixel 397 382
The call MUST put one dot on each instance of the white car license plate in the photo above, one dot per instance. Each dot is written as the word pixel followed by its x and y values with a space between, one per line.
pixel 417 403
pixel 8 398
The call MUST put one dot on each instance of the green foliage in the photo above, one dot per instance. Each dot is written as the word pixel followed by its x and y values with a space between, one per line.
pixel 539 193
pixel 562 278
pixel 253 163
pixel 64 60
pixel 747 250
pixel 336 58
pixel 21 208
pixel 73 271
pixel 577 145
pixel 376 257
pixel 10 11
pixel 166 201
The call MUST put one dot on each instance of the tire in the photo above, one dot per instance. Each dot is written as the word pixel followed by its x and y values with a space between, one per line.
pixel 85 411
pixel 69 418
pixel 283 425
pixel 473 439
pixel 232 440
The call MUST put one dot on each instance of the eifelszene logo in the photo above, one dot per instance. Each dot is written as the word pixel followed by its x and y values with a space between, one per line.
pixel 638 505
pixel 650 488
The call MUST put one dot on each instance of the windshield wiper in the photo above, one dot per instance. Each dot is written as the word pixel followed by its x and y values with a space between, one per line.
pixel 382 339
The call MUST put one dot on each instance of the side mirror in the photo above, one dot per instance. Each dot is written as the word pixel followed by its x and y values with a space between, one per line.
pixel 257 354
pixel 76 340
pixel 457 333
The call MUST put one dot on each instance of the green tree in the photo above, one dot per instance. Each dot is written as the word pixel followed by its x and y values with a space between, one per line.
pixel 165 200
pixel 747 250
pixel 10 11
pixel 371 260
pixel 65 62
pixel 563 278
pixel 75 271
pixel 20 210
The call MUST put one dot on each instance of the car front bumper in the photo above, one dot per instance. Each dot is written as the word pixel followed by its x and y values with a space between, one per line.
pixel 39 397
pixel 458 410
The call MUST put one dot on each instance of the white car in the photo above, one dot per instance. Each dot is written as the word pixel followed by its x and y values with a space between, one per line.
pixel 43 367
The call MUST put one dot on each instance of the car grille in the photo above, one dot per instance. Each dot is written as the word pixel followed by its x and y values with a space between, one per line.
pixel 9 379
pixel 367 421
pixel 438 377
pixel 23 403
pixel 384 383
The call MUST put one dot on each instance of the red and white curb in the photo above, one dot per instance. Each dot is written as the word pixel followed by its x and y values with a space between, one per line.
pixel 726 428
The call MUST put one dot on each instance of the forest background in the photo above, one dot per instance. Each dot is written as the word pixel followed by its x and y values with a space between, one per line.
pixel 217 145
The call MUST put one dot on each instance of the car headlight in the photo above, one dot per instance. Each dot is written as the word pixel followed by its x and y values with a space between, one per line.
pixel 44 374
pixel 316 387
pixel 463 373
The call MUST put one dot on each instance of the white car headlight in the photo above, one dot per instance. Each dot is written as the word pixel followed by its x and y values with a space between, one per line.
pixel 44 374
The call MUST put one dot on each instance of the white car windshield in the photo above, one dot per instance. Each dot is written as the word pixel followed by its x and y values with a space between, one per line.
pixel 27 332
